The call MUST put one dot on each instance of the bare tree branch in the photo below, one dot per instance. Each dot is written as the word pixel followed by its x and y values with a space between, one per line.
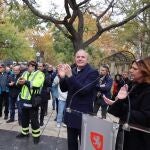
pixel 63 31
pixel 92 13
pixel 72 4
pixel 67 10
pixel 37 13
pixel 107 9
pixel 72 19
pixel 127 19
pixel 70 28
pixel 113 26
pixel 111 4
pixel 57 23
pixel 84 2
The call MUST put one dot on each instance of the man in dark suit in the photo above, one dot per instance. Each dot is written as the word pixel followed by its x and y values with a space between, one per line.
pixel 80 82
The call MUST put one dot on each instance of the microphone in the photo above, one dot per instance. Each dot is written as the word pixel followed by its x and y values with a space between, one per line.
pixel 68 109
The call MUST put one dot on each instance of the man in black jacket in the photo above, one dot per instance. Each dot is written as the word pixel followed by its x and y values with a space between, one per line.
pixel 14 91
pixel 104 87
pixel 80 82
pixel 45 93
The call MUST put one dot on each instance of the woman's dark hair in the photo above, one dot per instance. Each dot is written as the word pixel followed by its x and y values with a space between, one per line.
pixel 144 66
pixel 118 75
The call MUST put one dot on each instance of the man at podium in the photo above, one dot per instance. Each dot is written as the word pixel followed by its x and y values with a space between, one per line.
pixel 133 109
pixel 80 82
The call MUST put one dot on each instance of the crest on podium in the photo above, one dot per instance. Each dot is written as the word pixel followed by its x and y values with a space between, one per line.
pixel 97 140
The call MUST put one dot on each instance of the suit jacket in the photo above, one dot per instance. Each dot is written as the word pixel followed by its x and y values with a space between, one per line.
pixel 45 93
pixel 15 89
pixel 81 89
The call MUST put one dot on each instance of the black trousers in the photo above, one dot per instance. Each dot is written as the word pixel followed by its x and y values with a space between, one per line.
pixel 43 110
pixel 30 114
pixel 99 103
pixel 73 135
pixel 12 102
pixel 4 101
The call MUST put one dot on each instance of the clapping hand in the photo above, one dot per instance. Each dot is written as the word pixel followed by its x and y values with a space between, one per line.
pixel 61 70
pixel 11 83
pixel 123 92
pixel 107 100
pixel 68 70
pixel 64 70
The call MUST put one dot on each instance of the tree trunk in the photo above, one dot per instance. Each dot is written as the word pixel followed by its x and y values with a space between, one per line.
pixel 77 43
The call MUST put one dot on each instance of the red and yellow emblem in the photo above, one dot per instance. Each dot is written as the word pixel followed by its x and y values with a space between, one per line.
pixel 97 140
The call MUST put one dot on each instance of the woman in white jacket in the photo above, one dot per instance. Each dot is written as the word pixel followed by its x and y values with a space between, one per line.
pixel 62 96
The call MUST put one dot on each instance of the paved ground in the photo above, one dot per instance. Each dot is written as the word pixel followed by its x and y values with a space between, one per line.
pixel 52 138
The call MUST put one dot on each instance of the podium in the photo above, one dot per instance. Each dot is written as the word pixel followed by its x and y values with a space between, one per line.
pixel 97 134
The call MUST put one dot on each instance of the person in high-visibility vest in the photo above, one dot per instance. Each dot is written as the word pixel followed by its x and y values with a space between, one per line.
pixel 29 80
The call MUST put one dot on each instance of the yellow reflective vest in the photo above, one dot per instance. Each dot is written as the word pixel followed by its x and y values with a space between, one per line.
pixel 36 79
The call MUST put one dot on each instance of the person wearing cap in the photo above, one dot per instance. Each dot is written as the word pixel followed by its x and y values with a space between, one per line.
pixel 4 91
pixel 30 79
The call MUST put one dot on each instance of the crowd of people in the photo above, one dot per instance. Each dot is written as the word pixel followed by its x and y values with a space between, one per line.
pixel 75 90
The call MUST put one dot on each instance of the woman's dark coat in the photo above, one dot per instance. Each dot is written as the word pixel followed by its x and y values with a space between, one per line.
pixel 139 116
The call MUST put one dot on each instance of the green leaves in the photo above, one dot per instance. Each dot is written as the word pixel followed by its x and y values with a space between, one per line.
pixel 13 44
pixel 22 17
pixel 63 47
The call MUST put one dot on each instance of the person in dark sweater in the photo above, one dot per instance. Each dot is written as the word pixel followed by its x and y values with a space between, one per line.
pixel 138 113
